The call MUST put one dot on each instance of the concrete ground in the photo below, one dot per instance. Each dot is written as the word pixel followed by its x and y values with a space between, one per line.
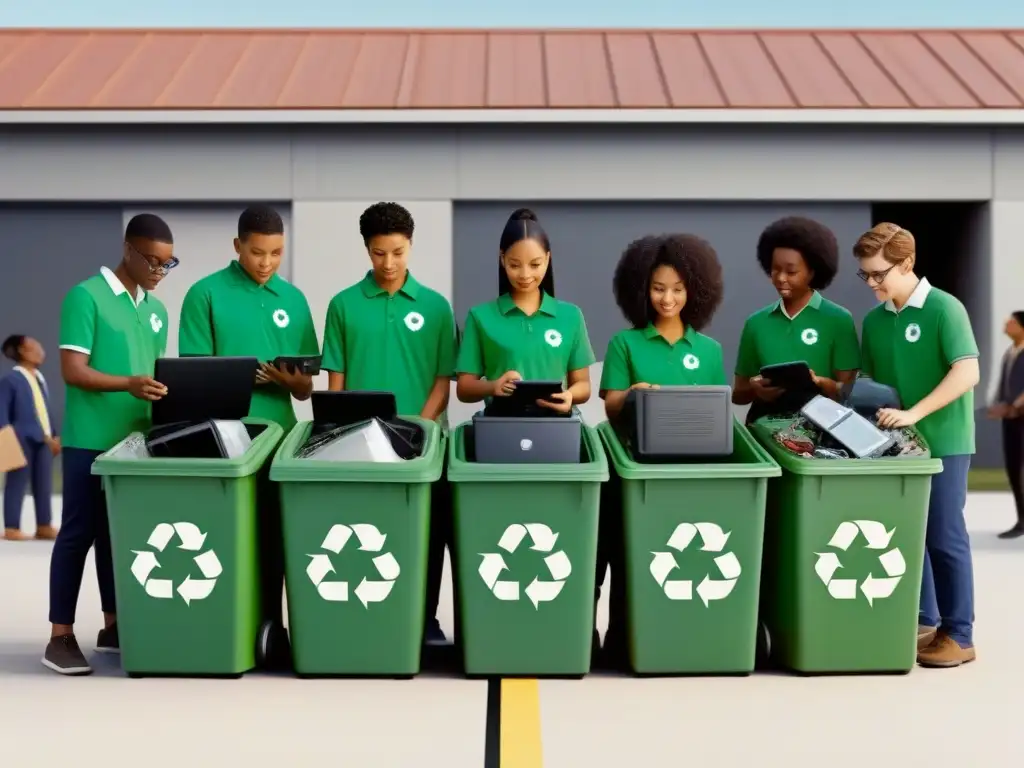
pixel 966 716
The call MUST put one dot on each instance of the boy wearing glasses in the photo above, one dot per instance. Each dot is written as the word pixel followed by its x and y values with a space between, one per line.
pixel 248 310
pixel 920 341
pixel 112 330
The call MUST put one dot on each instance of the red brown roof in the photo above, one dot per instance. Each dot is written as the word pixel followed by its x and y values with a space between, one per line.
pixel 467 69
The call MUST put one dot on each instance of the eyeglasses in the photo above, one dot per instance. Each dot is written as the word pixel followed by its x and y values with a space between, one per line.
pixel 878 277
pixel 153 263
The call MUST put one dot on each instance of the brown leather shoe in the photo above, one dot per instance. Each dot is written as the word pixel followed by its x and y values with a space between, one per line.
pixel 945 652
pixel 925 637
pixel 46 533
pixel 14 534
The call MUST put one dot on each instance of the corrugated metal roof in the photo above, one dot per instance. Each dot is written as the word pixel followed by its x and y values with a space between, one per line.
pixel 529 69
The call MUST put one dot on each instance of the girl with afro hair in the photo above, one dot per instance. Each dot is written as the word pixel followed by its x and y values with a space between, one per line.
pixel 525 333
pixel 800 257
pixel 668 288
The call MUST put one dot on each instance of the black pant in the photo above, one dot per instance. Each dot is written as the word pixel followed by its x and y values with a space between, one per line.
pixel 270 536
pixel 39 475
pixel 611 552
pixel 1013 458
pixel 441 536
pixel 83 524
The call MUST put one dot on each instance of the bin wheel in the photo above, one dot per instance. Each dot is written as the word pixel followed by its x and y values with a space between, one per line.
pixel 273 648
pixel 763 654
pixel 263 643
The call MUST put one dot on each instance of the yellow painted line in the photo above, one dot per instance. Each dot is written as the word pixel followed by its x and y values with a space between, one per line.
pixel 520 724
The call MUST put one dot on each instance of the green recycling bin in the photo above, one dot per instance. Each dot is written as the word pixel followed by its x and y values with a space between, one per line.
pixel 693 537
pixel 355 550
pixel 183 536
pixel 526 537
pixel 843 559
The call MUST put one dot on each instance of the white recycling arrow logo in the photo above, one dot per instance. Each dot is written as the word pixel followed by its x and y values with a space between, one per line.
pixel 714 540
pixel 370 540
pixel 192 540
pixel 873 588
pixel 537 591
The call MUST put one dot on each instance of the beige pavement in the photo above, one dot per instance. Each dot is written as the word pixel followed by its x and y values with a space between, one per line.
pixel 968 716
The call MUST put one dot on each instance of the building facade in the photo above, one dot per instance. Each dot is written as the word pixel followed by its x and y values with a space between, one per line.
pixel 598 177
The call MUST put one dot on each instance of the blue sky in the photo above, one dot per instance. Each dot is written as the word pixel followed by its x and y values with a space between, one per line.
pixel 512 13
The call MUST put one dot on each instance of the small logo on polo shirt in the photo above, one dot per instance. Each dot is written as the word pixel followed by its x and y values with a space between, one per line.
pixel 155 322
pixel 414 321
pixel 913 333
pixel 809 336
pixel 553 338
pixel 691 362
pixel 281 318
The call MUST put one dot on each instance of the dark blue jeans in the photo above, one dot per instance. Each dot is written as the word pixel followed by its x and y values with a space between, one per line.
pixel 947 589
pixel 83 525
pixel 38 474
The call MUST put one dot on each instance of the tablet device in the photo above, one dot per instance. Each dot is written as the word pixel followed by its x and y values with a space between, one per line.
pixel 307 364
pixel 523 400
pixel 201 388
pixel 342 408
pixel 793 376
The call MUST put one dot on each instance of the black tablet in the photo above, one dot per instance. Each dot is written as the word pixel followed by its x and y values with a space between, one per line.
pixel 794 376
pixel 342 408
pixel 523 399
pixel 307 364
pixel 200 388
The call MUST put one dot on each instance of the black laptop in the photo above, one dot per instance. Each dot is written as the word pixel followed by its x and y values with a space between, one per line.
pixel 201 388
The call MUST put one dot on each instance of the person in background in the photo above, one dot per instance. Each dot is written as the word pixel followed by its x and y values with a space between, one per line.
pixel 391 333
pixel 668 289
pixel 801 258
pixel 247 309
pixel 1009 407
pixel 919 341
pixel 525 333
pixel 112 330
pixel 25 405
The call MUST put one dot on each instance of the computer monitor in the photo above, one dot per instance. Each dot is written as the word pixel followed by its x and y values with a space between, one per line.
pixel 201 388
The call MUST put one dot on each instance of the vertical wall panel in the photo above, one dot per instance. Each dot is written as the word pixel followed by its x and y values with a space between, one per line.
pixel 47 250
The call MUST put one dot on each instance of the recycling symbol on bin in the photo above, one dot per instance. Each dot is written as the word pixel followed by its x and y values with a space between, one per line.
pixel 192 540
pixel 714 539
pixel 873 588
pixel 537 591
pixel 370 540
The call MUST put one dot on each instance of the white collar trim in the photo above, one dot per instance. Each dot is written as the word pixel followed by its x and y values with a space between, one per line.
pixel 118 287
pixel 917 298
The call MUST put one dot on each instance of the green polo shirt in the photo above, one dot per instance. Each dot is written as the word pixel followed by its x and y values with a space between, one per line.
pixel 228 314
pixel 499 337
pixel 822 334
pixel 644 355
pixel 122 337
pixel 400 343
pixel 912 350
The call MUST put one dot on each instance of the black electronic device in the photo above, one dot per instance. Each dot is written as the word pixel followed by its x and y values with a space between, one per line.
pixel 866 396
pixel 522 401
pixel 339 409
pixel 209 439
pixel 526 440
pixel 672 423
pixel 204 388
pixel 793 377
pixel 306 364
